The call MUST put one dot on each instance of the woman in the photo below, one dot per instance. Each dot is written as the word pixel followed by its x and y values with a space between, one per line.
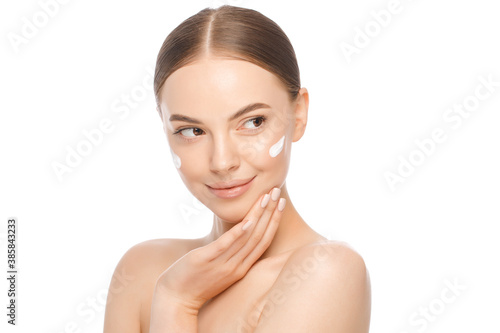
pixel 228 92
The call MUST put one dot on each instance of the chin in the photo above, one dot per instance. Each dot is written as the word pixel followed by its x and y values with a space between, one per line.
pixel 233 219
pixel 233 210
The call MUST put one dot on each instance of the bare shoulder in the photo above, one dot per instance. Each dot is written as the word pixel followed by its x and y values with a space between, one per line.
pixel 134 279
pixel 146 260
pixel 323 287
pixel 327 265
pixel 329 257
pixel 148 254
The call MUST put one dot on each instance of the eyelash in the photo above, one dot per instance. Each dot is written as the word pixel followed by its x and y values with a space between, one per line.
pixel 251 130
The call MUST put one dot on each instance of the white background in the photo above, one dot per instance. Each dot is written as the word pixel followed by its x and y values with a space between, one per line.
pixel 440 224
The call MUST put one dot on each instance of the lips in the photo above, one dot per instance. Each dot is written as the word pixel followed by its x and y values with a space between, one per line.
pixel 230 184
pixel 231 189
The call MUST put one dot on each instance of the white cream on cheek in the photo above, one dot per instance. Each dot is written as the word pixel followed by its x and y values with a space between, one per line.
pixel 176 159
pixel 277 147
pixel 273 152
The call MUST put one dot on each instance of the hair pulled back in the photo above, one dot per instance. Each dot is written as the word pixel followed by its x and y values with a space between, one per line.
pixel 229 32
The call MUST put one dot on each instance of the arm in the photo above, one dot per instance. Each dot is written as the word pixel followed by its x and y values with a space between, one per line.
pixel 132 289
pixel 322 288
pixel 169 317
pixel 202 273
pixel 122 314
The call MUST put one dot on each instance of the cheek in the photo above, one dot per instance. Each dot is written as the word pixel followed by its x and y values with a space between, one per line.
pixel 190 173
pixel 277 147
pixel 272 153
pixel 176 159
pixel 263 153
pixel 183 161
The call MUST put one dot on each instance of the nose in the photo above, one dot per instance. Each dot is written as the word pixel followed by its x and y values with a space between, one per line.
pixel 224 157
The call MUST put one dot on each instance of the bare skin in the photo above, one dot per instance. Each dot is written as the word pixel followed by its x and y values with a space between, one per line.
pixel 240 308
pixel 277 275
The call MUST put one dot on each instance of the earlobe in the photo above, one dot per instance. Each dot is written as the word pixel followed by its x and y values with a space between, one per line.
pixel 301 109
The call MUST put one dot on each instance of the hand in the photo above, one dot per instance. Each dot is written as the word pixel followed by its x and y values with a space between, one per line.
pixel 207 271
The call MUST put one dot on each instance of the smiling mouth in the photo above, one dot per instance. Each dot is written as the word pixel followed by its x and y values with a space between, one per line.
pixel 230 184
pixel 233 191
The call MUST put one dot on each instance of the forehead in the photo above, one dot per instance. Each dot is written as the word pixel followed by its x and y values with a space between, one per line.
pixel 219 86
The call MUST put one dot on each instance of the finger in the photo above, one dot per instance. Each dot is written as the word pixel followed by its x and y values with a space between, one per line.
pixel 266 240
pixel 248 225
pixel 259 228
pixel 218 248
pixel 255 214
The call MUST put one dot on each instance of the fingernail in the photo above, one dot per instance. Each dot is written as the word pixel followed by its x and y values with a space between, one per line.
pixel 275 194
pixel 281 204
pixel 264 201
pixel 247 225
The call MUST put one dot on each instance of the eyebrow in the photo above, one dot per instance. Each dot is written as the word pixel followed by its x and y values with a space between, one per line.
pixel 239 113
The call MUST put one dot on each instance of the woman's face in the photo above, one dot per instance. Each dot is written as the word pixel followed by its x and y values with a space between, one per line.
pixel 212 142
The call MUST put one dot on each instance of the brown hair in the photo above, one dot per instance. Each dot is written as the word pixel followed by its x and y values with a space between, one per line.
pixel 229 32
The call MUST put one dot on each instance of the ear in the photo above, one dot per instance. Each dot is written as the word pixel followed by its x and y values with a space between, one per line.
pixel 300 110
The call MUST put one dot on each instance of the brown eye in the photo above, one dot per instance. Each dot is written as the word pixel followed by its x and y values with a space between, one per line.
pixel 190 132
pixel 257 122
pixel 254 123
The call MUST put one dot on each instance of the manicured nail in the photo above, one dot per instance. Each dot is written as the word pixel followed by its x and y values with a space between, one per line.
pixel 247 225
pixel 281 204
pixel 275 194
pixel 264 201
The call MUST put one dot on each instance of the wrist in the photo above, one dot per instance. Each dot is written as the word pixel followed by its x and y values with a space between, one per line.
pixel 171 315
pixel 174 303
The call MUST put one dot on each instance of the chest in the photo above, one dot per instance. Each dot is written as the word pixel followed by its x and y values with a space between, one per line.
pixel 239 307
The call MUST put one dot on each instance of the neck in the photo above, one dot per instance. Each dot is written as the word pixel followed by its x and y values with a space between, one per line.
pixel 292 230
